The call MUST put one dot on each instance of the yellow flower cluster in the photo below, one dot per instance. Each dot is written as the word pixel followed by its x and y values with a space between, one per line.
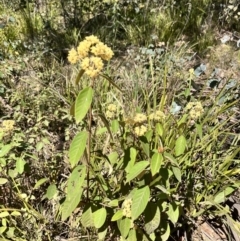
pixel 7 125
pixel 157 116
pixel 140 118
pixel 111 111
pixel 127 204
pixel 195 109
pixel 140 130
pixel 90 52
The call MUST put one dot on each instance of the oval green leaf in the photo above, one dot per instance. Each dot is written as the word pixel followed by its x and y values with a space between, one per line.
pixel 4 151
pixel 156 163
pixel 74 191
pixel 152 217
pixel 139 201
pixel 3 180
pixel 77 147
pixel 4 214
pixel 40 182
pixel 180 145
pixel 136 170
pixel 99 217
pixel 124 226
pixel 173 212
pixel 118 215
pixel 83 103
pixel 51 191
pixel 20 165
pixel 177 173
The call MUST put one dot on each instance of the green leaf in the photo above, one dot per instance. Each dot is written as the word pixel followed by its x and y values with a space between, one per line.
pixel 4 151
pixel 132 154
pixel 115 126
pixel 77 147
pixel 152 217
pixel 170 158
pixel 173 212
pixel 177 173
pixel 15 213
pixel 40 182
pixel 39 146
pixel 99 217
pixel 136 170
pixel 159 129
pixel 145 145
pixel 83 103
pixel 156 163
pixel 3 181
pixel 87 217
pixel 180 145
pixel 113 203
pixel 166 231
pixel 4 214
pixel 51 191
pixel 139 201
pixel 80 74
pixel 132 236
pixel 102 232
pixel 20 165
pixel 222 196
pixel 74 191
pixel 124 226
pixel 117 215
pixel 2 230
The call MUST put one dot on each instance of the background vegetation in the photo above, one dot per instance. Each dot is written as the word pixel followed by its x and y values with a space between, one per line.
pixel 167 54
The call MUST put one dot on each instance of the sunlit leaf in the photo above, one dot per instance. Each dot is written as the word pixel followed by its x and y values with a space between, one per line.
pixel 139 201
pixel 4 151
pixel 124 226
pixel 20 165
pixel 87 217
pixel 152 217
pixel 173 212
pixel 130 153
pixel 77 147
pixel 222 196
pixel 117 215
pixel 177 173
pixel 74 191
pixel 4 214
pixel 99 217
pixel 83 103
pixel 136 170
pixel 3 180
pixel 156 163
pixel 166 231
pixel 51 191
pixel 180 145
pixel 40 182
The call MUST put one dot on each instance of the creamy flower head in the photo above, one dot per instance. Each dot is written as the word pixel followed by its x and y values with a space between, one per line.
pixel 92 66
pixel 127 204
pixel 92 39
pixel 140 118
pixel 112 108
pixel 102 51
pixel 140 130
pixel 7 125
pixel 73 56
pixel 157 116
pixel 110 114
pixel 83 49
pixel 91 52
pixel 195 109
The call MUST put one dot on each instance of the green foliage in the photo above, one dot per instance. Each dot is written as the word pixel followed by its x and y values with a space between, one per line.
pixel 153 146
